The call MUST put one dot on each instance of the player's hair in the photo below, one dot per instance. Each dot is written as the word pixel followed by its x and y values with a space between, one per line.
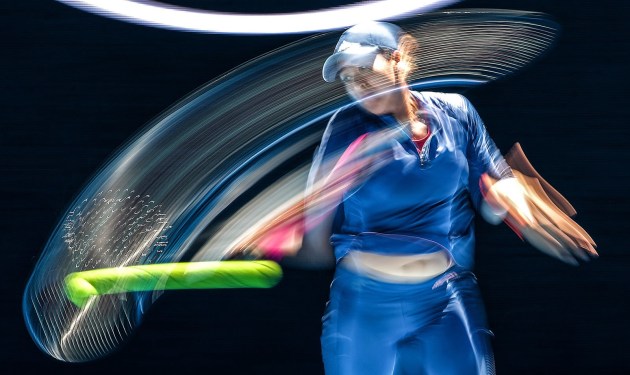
pixel 408 47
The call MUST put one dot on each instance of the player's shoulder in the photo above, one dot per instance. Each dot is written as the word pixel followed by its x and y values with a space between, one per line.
pixel 344 126
pixel 350 119
pixel 347 113
pixel 443 99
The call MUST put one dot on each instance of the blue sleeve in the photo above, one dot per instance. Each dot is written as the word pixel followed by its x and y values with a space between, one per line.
pixel 482 153
pixel 316 250
pixel 342 129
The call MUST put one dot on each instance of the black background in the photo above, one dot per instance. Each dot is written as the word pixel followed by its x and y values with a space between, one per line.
pixel 75 86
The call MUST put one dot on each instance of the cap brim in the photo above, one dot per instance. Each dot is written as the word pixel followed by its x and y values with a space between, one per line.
pixel 362 57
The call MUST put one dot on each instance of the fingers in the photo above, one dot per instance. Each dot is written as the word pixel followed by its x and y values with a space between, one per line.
pixel 555 231
pixel 535 217
pixel 563 231
pixel 567 242
pixel 543 241
pixel 556 221
pixel 551 240
pixel 517 160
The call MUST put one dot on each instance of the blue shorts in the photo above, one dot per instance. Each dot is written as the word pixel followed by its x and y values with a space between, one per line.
pixel 380 328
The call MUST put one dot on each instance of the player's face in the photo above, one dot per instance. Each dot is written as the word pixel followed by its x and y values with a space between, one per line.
pixel 375 87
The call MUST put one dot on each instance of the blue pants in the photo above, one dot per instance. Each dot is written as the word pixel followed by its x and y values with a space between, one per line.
pixel 434 327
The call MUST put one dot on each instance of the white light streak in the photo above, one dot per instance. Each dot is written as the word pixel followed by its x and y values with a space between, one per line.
pixel 156 14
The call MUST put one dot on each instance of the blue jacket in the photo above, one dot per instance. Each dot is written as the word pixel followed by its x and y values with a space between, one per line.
pixel 418 202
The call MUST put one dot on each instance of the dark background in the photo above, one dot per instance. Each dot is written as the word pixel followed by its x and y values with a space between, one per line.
pixel 75 86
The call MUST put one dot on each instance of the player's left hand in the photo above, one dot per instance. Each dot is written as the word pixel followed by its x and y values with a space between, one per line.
pixel 523 204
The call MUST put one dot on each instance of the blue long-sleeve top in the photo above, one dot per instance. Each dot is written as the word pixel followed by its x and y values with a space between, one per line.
pixel 418 201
